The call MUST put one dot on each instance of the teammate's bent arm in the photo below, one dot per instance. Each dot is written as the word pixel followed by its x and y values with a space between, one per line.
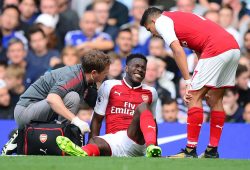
pixel 57 105
pixel 171 39
pixel 95 125
pixel 180 58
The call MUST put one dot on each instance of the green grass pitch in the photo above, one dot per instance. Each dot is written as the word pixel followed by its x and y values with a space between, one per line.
pixel 107 163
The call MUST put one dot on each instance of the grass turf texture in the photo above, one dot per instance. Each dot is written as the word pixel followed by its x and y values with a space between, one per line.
pixel 94 163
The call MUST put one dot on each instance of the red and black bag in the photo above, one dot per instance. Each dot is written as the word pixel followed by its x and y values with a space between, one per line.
pixel 40 138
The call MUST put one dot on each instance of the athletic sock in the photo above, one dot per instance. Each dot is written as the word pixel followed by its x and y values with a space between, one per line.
pixel 194 122
pixel 91 150
pixel 148 127
pixel 216 126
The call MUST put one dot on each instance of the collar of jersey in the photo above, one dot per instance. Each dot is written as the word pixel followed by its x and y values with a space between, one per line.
pixel 137 87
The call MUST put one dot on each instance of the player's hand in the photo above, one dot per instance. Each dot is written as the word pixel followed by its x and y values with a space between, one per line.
pixel 83 126
pixel 187 97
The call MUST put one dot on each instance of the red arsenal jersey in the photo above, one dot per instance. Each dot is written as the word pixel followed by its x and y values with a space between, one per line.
pixel 118 101
pixel 195 32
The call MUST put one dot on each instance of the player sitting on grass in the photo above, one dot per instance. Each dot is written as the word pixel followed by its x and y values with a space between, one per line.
pixel 127 105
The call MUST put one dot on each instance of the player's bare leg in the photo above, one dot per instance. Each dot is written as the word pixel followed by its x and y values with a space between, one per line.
pixel 143 129
pixel 214 99
pixel 194 122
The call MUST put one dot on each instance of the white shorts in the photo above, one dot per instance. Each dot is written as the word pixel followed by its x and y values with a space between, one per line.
pixel 216 72
pixel 122 146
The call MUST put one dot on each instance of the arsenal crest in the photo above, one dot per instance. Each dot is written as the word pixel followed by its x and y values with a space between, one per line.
pixel 43 138
pixel 145 97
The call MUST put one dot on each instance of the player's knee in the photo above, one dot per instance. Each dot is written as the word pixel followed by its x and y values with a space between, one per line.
pixel 95 140
pixel 213 102
pixel 102 145
pixel 73 98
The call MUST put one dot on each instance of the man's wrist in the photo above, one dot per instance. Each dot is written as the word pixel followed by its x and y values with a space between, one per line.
pixel 75 120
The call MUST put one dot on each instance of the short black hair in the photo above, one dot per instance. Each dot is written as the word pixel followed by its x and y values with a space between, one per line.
pixel 11 6
pixel 241 69
pixel 3 64
pixel 36 2
pixel 168 101
pixel 149 13
pixel 34 29
pixel 132 56
pixel 124 30
pixel 234 90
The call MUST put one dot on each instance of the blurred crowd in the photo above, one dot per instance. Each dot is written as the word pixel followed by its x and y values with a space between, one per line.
pixel 42 35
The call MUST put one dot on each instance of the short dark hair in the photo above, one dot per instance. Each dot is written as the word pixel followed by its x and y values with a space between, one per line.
pixel 34 29
pixel 11 6
pixel 241 69
pixel 3 64
pixel 95 60
pixel 36 2
pixel 168 101
pixel 234 90
pixel 149 13
pixel 132 56
pixel 124 30
pixel 226 6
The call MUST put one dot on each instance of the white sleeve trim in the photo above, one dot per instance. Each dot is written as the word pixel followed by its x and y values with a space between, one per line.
pixel 165 27
pixel 103 96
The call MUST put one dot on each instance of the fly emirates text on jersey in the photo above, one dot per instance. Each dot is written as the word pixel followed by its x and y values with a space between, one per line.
pixel 128 108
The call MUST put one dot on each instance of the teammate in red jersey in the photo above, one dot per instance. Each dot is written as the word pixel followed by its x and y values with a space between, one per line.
pixel 128 107
pixel 218 54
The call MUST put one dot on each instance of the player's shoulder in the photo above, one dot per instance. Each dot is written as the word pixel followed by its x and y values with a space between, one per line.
pixel 111 83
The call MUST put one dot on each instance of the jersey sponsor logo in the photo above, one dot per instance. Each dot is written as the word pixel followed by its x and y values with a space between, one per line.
pixel 152 127
pixel 128 108
pixel 145 97
pixel 43 138
pixel 121 110
pixel 218 126
pixel 118 93
pixel 44 151
pixel 173 138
